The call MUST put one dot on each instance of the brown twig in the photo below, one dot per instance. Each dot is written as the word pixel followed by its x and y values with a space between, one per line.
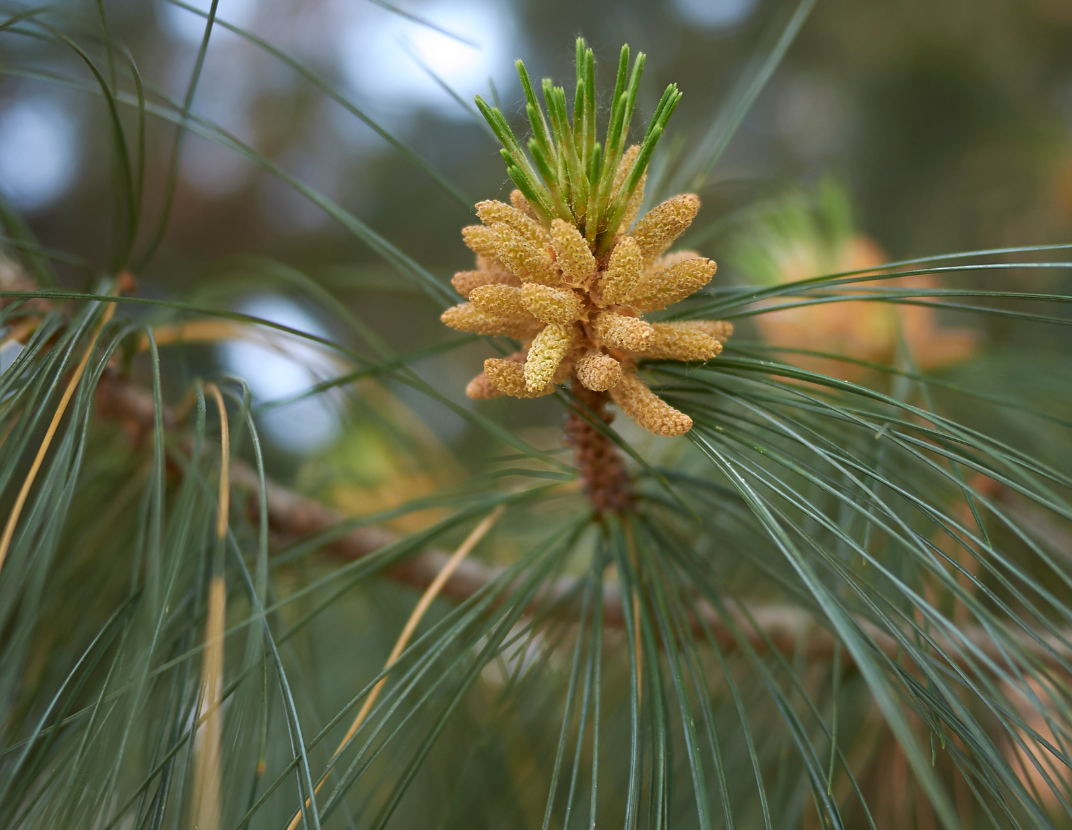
pixel 599 465
pixel 788 629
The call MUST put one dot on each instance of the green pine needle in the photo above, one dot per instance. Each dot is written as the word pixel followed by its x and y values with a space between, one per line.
pixel 568 173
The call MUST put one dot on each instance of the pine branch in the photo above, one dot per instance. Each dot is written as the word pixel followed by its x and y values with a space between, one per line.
pixel 789 629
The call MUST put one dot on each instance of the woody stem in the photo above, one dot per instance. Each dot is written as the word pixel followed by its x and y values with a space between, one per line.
pixel 602 471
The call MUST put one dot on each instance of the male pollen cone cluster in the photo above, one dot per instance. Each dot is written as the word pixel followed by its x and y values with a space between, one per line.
pixel 563 268
pixel 580 317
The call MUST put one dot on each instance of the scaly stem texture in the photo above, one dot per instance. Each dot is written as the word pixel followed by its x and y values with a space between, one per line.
pixel 602 471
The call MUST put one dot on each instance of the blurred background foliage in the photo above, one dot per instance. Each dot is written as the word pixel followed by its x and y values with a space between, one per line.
pixel 890 131
pixel 947 123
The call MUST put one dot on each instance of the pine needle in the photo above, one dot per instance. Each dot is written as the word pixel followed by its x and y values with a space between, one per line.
pixel 198 331
pixel 207 764
pixel 430 593
pixel 72 385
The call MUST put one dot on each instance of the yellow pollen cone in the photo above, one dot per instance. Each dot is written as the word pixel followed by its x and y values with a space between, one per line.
pixel 509 378
pixel 518 200
pixel 677 341
pixel 499 301
pixel 548 349
pixel 598 371
pixel 481 241
pixel 664 223
pixel 572 253
pixel 721 330
pixel 646 408
pixel 637 199
pixel 499 213
pixel 529 262
pixel 621 332
pixel 481 388
pixel 465 281
pixel 663 288
pixel 623 273
pixel 466 317
pixel 551 305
